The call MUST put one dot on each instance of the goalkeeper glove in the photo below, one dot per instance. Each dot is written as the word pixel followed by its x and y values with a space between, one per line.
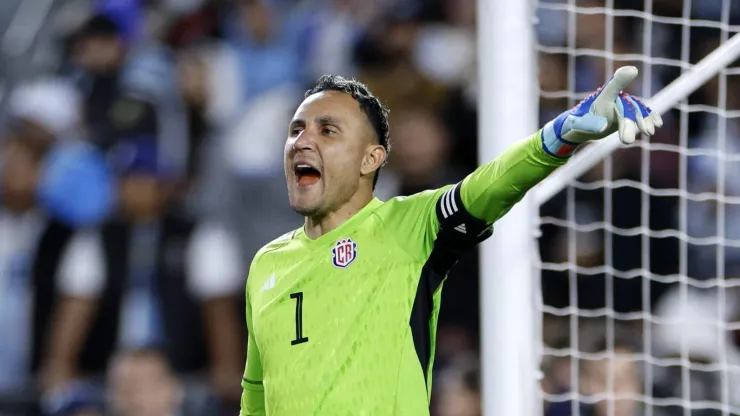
pixel 602 113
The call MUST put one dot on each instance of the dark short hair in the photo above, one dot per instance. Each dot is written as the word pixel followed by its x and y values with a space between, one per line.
pixel 376 112
pixel 98 25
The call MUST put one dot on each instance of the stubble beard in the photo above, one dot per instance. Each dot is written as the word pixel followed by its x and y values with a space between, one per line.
pixel 310 211
pixel 328 202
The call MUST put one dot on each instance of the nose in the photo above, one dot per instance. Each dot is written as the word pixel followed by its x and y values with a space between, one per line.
pixel 304 141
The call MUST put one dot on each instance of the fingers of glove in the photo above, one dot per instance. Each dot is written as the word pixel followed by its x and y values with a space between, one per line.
pixel 610 90
pixel 627 131
pixel 642 116
pixel 652 115
pixel 627 119
pixel 657 120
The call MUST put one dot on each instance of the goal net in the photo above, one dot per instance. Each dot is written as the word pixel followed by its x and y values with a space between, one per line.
pixel 640 246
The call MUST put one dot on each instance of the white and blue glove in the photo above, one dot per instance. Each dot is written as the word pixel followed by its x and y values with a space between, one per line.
pixel 602 113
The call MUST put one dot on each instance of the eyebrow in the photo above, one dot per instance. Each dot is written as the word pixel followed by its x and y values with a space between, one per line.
pixel 297 122
pixel 320 120
pixel 328 120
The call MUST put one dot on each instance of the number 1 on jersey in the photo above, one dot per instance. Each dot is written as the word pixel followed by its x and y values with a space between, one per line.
pixel 299 338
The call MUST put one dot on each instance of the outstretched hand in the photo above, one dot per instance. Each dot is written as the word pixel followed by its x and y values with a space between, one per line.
pixel 602 113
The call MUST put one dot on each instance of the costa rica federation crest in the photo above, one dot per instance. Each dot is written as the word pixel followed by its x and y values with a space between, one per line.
pixel 343 253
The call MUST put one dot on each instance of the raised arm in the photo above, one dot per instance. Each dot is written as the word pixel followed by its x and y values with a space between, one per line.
pixel 492 189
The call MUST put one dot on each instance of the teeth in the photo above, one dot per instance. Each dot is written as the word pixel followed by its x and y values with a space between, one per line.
pixel 304 167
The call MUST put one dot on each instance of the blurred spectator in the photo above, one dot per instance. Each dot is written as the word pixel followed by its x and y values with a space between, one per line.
pixel 141 383
pixel 618 377
pixel 130 90
pixel 170 280
pixel 458 390
pixel 609 374
pixel 420 153
pixel 265 38
pixel 76 399
pixel 692 326
pixel 43 115
pixel 243 92
pixel 127 14
pixel 715 172
pixel 445 51
pixel 193 82
pixel 62 323
pixel 197 21
pixel 385 56
pixel 334 28
pixel 98 52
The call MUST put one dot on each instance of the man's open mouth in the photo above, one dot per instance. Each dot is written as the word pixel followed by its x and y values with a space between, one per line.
pixel 305 174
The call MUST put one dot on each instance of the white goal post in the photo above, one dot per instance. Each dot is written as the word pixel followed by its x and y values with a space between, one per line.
pixel 507 91
pixel 511 308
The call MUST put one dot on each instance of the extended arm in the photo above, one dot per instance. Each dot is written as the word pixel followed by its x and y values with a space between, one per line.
pixel 491 191
pixel 454 218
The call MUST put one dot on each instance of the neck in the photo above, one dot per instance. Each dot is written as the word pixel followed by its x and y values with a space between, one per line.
pixel 318 225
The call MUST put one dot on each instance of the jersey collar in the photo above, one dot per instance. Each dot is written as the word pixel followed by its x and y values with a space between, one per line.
pixel 342 231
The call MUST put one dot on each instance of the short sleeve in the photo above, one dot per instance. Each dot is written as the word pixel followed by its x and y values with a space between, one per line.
pixel 213 262
pixel 82 268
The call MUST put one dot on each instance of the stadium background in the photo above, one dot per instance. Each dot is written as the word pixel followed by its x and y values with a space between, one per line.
pixel 188 101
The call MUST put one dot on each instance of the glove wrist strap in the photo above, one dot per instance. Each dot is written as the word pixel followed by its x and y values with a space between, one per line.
pixel 554 145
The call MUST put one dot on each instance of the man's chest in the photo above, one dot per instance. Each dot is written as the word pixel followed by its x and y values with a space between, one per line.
pixel 322 300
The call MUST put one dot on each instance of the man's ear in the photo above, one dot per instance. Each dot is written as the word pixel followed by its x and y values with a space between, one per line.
pixel 374 158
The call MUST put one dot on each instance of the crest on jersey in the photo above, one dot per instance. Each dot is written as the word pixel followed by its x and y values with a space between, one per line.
pixel 344 253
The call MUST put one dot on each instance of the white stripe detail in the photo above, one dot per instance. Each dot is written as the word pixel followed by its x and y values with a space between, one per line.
pixel 442 205
pixel 452 197
pixel 447 202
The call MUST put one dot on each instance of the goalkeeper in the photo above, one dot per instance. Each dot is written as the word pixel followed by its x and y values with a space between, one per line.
pixel 342 312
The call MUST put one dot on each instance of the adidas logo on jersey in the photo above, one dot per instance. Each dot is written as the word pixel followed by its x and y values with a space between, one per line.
pixel 269 284
pixel 461 228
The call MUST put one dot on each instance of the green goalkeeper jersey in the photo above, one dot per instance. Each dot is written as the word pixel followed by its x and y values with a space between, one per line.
pixel 345 324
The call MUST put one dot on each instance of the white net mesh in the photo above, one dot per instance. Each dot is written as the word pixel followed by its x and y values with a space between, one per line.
pixel 641 255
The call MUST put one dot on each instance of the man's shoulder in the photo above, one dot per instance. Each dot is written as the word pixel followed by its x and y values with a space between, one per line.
pixel 277 244
pixel 416 202
pixel 264 262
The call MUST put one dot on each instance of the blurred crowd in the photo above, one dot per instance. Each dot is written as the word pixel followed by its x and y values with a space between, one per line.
pixel 141 169
pixel 643 318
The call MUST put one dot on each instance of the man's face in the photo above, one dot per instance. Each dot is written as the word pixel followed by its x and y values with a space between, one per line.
pixel 99 54
pixel 143 386
pixel 330 153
